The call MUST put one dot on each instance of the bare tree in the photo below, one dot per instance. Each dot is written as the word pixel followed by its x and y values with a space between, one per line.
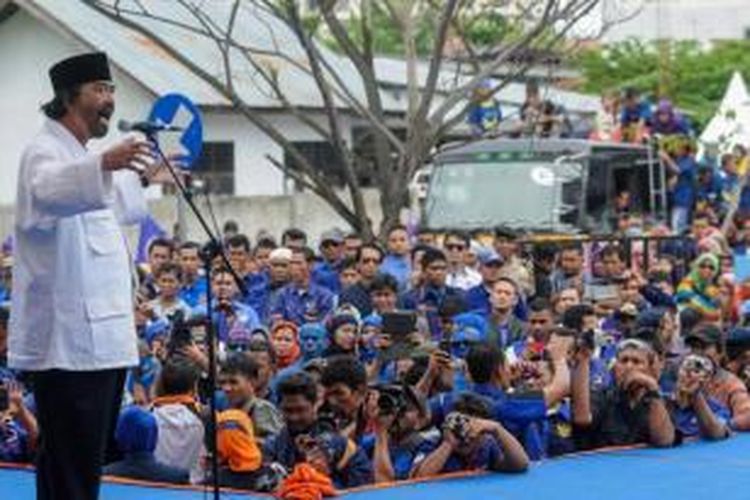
pixel 435 104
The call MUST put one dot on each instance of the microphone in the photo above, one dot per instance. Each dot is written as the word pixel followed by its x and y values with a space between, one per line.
pixel 146 127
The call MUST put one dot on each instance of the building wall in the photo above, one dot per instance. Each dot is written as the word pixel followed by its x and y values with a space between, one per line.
pixel 702 20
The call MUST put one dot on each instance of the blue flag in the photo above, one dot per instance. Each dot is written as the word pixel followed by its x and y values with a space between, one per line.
pixel 149 231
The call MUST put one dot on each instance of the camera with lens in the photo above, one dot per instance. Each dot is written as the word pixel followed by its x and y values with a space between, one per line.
pixel 180 335
pixel 458 424
pixel 698 364
pixel 586 340
pixel 328 420
pixel 306 443
pixel 391 400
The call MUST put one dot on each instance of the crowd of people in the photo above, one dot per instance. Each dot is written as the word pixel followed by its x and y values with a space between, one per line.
pixel 362 363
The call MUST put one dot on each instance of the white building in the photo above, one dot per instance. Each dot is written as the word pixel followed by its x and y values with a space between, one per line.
pixel 702 20
pixel 36 33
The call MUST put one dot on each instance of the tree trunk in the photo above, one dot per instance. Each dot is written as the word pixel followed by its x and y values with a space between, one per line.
pixel 394 196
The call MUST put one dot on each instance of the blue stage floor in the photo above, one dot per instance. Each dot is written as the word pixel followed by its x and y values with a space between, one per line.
pixel 713 471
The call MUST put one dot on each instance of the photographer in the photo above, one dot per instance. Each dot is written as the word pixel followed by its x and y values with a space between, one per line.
pixel 18 426
pixel 707 340
pixel 522 412
pixel 398 414
pixel 345 381
pixel 472 441
pixel 306 439
pixel 630 412
pixel 693 412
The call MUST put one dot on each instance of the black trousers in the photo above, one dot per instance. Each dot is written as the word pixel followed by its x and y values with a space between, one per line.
pixel 77 413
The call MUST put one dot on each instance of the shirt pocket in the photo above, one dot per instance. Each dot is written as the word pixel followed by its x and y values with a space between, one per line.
pixel 102 232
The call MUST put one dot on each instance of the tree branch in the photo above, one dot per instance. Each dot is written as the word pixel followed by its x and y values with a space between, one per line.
pixel 436 59
pixel 323 185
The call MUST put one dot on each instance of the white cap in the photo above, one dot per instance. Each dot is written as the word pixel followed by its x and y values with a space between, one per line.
pixel 282 253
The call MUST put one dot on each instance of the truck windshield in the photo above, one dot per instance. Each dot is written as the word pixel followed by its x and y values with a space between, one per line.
pixel 534 194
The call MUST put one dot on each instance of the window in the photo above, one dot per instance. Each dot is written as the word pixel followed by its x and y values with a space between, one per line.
pixel 216 167
pixel 364 153
pixel 322 156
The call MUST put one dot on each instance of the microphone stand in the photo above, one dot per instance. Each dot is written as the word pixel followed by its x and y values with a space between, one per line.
pixel 208 253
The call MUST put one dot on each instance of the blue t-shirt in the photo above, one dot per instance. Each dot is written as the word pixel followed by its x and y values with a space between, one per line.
pixel 523 415
pixel 399 267
pixel 303 306
pixel 488 455
pixel 245 320
pixel 686 421
pixel 326 275
pixel 194 293
pixel 683 194
pixel 404 455
pixel 485 116
pixel 256 290
pixel 629 116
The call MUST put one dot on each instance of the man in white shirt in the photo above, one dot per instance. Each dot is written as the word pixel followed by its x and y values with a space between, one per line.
pixel 459 274
pixel 72 325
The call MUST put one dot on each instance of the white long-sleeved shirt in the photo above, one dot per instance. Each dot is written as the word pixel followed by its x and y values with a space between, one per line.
pixel 72 298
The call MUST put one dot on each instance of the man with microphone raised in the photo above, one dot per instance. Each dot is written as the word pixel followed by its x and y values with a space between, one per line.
pixel 72 326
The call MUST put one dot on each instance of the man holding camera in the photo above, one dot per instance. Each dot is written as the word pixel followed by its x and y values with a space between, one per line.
pixel 725 387
pixel 398 413
pixel 472 441
pixel 693 412
pixel 307 439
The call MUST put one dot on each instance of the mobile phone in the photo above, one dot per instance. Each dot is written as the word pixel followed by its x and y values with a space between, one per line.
pixel 399 326
pixel 399 323
pixel 445 345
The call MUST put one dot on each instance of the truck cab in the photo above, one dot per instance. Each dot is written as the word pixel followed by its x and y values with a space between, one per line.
pixel 558 186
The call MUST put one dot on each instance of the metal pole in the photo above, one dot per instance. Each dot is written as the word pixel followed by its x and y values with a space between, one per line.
pixel 182 230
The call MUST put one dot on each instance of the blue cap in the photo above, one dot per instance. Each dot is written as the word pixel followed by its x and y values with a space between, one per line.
pixel 489 256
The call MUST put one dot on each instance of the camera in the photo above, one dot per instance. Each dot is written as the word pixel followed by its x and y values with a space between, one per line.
pixel 698 364
pixel 391 400
pixel 307 443
pixel 328 421
pixel 458 424
pixel 180 335
pixel 586 340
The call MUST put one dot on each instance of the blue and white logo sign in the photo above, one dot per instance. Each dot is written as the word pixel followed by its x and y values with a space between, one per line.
pixel 178 111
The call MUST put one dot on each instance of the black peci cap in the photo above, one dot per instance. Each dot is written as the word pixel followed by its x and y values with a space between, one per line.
pixel 79 69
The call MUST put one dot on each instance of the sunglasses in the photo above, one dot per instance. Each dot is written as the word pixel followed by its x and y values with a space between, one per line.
pixel 706 265
pixel 455 247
